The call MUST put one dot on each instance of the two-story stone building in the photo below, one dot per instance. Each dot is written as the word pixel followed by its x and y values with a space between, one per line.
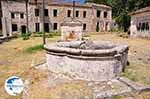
pixel 94 17
pixel 140 23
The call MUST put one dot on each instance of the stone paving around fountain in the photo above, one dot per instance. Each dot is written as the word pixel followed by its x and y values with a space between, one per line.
pixel 100 90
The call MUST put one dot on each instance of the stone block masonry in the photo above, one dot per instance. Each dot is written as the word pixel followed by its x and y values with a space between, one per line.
pixel 94 17
pixel 87 64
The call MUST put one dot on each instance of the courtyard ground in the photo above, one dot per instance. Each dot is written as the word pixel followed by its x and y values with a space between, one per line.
pixel 17 59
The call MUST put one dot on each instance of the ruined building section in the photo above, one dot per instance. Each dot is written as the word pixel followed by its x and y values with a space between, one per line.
pixel 140 23
pixel 94 17
pixel 14 17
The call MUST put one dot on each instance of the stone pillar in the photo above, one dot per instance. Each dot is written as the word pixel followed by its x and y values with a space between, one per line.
pixel 108 26
pixel 133 28
pixel 4 27
pixel 9 27
pixel 104 26
pixel 102 14
pixel 149 27
pixel 62 33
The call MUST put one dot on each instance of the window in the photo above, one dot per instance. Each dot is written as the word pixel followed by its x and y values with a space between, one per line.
pixel 84 26
pixel 84 14
pixel 37 27
pixel 143 26
pixel 69 13
pixel 21 15
pixel 105 14
pixel 139 26
pixel 97 27
pixel 14 27
pixel 77 13
pixel 55 26
pixel 46 12
pixel 55 13
pixel 36 12
pixel 98 13
pixel 147 26
pixel 12 15
pixel 46 27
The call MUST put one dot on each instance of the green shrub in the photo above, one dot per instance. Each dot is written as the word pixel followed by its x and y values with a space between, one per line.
pixel 130 73
pixel 116 97
pixel 56 33
pixel 47 35
pixel 26 36
pixel 34 49
pixel 50 35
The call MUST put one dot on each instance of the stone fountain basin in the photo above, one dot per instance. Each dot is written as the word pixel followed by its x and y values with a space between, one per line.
pixel 87 60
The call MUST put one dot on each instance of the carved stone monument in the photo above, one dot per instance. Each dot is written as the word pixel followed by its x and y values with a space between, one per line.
pixel 71 30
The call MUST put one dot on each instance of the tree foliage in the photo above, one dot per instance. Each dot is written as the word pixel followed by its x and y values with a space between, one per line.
pixel 121 8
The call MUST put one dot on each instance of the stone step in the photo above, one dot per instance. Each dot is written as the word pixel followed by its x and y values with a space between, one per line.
pixel 136 86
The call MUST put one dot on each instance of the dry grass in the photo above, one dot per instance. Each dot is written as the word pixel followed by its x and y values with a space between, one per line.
pixel 15 61
pixel 139 56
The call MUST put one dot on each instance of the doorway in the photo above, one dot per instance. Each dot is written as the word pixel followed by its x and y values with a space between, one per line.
pixel 23 29
pixel 97 27
pixel 46 27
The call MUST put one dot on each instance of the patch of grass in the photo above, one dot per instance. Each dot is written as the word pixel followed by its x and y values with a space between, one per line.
pixel 48 35
pixel 34 49
pixel 131 74
pixel 116 97
pixel 26 36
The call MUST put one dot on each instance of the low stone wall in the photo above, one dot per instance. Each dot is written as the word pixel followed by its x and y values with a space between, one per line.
pixel 91 65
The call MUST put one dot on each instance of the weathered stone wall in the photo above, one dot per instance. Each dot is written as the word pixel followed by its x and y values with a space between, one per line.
pixel 87 64
pixel 136 20
pixel 19 7
pixel 92 70
pixel 9 7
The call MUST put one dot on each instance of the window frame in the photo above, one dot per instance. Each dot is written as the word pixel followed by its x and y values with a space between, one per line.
pixel 37 12
pixel 55 26
pixel 12 15
pixel 37 27
pixel 14 26
pixel 105 14
pixel 84 14
pixel 22 15
pixel 55 12
pixel 98 13
pixel 46 14
pixel 68 14
pixel 77 13
pixel 84 27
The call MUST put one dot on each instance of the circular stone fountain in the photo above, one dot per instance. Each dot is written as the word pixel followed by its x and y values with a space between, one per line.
pixel 87 60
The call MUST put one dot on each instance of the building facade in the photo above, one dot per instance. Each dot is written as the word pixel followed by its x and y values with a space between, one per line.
pixel 94 17
pixel 140 23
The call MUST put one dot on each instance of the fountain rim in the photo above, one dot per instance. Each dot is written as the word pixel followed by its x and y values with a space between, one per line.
pixel 117 51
